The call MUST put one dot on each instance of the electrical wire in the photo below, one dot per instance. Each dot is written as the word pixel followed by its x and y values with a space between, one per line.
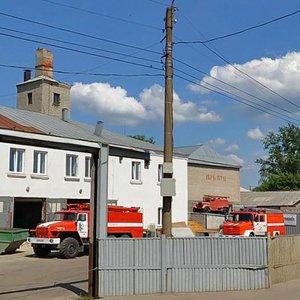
pixel 256 106
pixel 243 98
pixel 84 73
pixel 242 30
pixel 252 78
pixel 234 87
pixel 254 81
pixel 82 52
pixel 79 33
pixel 79 45
pixel 102 15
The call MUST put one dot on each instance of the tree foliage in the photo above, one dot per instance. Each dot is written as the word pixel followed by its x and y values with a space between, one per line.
pixel 281 169
pixel 143 138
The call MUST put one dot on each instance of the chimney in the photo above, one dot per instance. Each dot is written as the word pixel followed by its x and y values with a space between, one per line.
pixel 27 75
pixel 65 115
pixel 44 63
pixel 98 128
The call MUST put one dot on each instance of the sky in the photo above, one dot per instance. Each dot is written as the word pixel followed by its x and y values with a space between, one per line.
pixel 228 93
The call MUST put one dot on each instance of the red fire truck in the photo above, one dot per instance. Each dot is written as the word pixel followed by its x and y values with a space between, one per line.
pixel 212 203
pixel 255 222
pixel 69 232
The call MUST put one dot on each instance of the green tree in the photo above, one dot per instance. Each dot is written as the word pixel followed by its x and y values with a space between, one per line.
pixel 143 138
pixel 281 169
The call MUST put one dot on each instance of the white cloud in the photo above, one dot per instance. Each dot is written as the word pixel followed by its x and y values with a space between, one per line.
pixel 114 105
pixel 236 159
pixel 233 148
pixel 217 141
pixel 153 99
pixel 282 75
pixel 255 134
pixel 103 99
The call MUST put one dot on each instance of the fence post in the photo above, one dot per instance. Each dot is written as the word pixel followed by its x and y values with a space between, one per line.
pixel 163 250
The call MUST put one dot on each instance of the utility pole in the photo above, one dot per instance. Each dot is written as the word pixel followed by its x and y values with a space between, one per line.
pixel 168 183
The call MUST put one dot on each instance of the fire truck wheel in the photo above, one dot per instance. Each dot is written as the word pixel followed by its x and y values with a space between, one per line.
pixel 225 211
pixel 69 247
pixel 41 250
pixel 125 236
pixel 206 209
pixel 251 234
pixel 111 236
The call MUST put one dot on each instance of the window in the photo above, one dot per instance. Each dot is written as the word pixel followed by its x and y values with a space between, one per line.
pixel 88 167
pixel 16 160
pixel 136 171
pixel 71 165
pixel 159 219
pixel 160 173
pixel 29 98
pixel 39 162
pixel 56 99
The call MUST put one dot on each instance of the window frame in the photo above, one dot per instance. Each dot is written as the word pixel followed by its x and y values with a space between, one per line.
pixel 40 162
pixel 15 165
pixel 88 167
pixel 29 98
pixel 56 99
pixel 136 168
pixel 71 163
pixel 159 172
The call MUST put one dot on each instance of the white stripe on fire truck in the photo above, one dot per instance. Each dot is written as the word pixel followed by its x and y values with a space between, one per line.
pixel 275 224
pixel 125 224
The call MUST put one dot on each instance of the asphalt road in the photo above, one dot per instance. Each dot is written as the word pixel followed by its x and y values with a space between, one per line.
pixel 24 276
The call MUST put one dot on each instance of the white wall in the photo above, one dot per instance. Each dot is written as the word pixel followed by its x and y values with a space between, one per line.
pixel 147 194
pixel 54 185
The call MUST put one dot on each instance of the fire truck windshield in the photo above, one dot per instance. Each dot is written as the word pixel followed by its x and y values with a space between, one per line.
pixel 65 216
pixel 242 217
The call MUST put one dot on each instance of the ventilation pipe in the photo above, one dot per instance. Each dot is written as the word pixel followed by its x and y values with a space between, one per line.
pixel 98 128
pixel 65 115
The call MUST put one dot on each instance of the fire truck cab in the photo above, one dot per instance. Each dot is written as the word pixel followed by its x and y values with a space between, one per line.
pixel 253 222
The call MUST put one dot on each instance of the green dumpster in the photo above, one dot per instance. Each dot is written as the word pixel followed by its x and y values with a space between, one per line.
pixel 12 238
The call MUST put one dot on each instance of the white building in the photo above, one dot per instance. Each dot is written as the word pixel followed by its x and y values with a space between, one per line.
pixel 46 163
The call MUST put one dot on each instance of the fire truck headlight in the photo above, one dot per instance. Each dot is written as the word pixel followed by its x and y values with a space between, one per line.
pixel 51 241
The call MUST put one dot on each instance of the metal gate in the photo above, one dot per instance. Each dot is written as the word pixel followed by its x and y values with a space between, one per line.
pixel 158 265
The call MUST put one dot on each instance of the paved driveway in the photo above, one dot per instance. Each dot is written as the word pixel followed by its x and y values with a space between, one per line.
pixel 24 276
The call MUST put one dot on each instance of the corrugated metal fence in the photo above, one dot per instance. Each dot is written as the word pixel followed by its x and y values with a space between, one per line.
pixel 155 265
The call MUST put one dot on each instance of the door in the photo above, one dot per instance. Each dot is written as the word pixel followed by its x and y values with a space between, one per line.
pixel 82 225
pixel 260 224
pixel 27 214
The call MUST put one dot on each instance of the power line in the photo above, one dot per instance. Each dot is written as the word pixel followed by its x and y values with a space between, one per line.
pixel 232 86
pixel 256 106
pixel 243 98
pixel 102 15
pixel 80 45
pixel 242 30
pixel 82 52
pixel 252 79
pixel 104 64
pixel 85 73
pixel 78 33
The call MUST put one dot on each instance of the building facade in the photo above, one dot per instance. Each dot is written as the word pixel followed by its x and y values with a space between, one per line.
pixel 47 163
pixel 210 173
